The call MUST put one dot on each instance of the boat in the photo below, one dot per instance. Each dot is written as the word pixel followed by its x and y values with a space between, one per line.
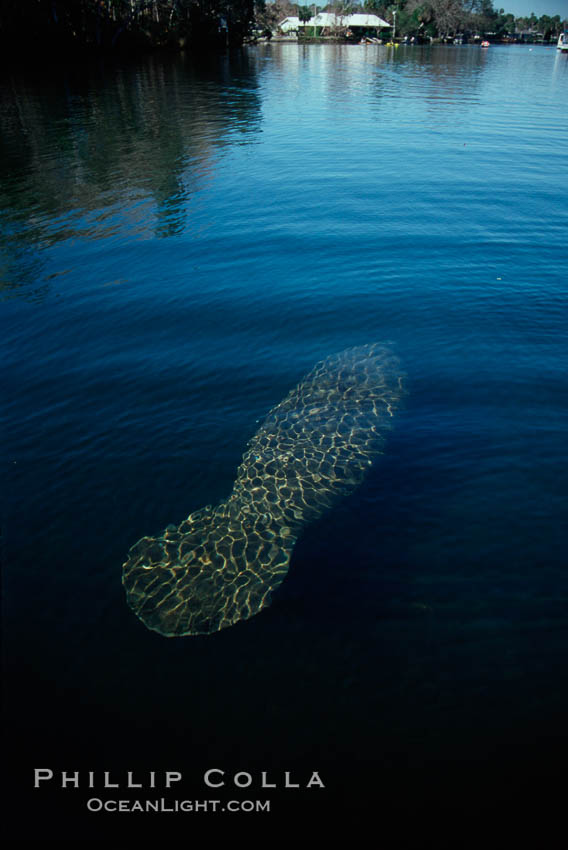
pixel 563 42
pixel 485 44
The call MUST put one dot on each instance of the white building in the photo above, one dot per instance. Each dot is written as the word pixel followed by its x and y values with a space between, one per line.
pixel 367 21
pixel 289 24
pixel 333 23
pixel 329 20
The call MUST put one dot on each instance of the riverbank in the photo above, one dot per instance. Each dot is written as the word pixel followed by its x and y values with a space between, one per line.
pixel 414 42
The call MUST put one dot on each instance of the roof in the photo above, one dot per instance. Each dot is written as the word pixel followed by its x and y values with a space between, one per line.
pixel 365 21
pixel 290 23
pixel 327 19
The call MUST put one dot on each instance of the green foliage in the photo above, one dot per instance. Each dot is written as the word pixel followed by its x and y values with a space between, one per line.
pixel 448 17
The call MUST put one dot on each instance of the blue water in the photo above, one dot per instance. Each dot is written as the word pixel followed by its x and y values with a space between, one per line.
pixel 180 244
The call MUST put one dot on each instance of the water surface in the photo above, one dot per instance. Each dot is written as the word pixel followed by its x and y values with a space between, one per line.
pixel 179 246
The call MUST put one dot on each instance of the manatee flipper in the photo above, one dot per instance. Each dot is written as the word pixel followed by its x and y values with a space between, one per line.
pixel 223 563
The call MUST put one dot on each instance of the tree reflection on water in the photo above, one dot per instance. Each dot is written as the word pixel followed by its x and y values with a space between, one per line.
pixel 103 150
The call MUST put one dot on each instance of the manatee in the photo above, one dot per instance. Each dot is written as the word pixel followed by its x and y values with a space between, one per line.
pixel 223 563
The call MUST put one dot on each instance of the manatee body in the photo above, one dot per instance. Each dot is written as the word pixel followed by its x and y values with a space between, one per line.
pixel 222 563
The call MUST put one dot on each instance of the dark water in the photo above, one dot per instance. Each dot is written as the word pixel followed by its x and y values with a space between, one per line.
pixel 179 246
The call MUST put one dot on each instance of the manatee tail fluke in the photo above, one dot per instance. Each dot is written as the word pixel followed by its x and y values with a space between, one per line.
pixel 180 593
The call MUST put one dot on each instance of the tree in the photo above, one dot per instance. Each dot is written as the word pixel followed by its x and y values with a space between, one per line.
pixel 59 27
pixel 376 7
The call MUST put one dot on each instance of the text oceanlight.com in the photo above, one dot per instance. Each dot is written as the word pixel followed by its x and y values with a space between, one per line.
pixel 162 805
